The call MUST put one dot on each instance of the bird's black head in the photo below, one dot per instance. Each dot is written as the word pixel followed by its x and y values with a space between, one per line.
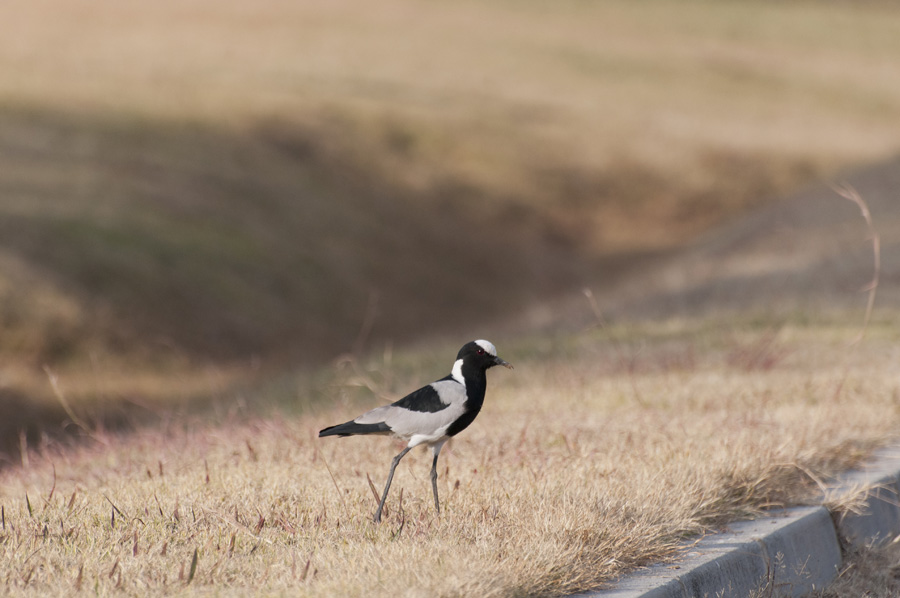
pixel 481 355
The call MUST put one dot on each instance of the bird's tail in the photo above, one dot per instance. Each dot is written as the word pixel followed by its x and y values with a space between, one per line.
pixel 350 428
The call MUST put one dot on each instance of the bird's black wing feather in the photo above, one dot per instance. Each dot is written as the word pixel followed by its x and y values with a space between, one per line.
pixel 350 428
pixel 426 399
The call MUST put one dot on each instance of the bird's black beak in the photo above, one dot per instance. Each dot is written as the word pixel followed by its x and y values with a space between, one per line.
pixel 506 364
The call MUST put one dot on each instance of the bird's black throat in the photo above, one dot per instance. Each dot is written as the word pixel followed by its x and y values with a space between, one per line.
pixel 476 385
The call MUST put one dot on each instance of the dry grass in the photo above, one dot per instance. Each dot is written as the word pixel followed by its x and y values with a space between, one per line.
pixel 591 458
pixel 208 177
pixel 871 572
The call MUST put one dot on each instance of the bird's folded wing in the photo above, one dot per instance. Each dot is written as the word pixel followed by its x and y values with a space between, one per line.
pixel 406 423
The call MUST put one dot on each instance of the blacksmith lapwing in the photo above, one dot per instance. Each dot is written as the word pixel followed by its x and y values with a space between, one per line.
pixel 432 414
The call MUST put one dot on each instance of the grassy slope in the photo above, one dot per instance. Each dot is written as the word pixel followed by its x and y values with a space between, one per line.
pixel 233 243
pixel 223 183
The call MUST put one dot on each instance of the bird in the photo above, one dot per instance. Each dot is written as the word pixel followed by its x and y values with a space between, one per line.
pixel 431 415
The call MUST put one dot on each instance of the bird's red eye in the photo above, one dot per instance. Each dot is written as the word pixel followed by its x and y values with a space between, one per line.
pixel 481 351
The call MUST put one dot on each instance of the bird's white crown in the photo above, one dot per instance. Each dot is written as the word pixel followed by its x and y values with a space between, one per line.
pixel 487 346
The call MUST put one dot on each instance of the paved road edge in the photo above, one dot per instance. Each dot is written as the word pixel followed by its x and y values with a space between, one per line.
pixel 790 553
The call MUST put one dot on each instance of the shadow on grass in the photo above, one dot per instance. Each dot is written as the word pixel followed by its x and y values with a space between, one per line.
pixel 229 243
pixel 30 425
pixel 24 423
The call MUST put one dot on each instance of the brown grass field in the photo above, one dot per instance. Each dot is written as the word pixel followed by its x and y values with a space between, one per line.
pixel 206 179
pixel 587 460
pixel 223 228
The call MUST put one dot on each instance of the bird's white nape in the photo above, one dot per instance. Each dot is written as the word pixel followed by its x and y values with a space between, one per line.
pixel 456 372
pixel 487 346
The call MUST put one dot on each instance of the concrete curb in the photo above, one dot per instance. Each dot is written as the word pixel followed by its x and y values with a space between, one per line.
pixel 791 553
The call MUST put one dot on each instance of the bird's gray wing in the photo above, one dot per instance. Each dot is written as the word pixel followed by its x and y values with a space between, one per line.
pixel 427 412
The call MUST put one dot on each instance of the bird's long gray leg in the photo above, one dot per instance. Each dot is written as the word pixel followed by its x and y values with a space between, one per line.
pixel 437 451
pixel 437 504
pixel 388 485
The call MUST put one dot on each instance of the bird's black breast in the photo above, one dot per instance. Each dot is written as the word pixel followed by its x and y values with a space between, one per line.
pixel 463 422
pixel 426 399
pixel 476 384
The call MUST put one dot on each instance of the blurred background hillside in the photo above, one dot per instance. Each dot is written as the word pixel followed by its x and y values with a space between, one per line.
pixel 270 183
